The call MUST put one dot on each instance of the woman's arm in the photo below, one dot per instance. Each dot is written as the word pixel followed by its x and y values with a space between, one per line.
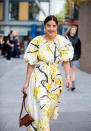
pixel 67 73
pixel 29 72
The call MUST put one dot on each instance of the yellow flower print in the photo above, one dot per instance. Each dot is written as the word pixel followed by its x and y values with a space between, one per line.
pixel 51 68
pixel 29 130
pixel 64 51
pixel 43 58
pixel 57 94
pixel 54 85
pixel 49 86
pixel 53 74
pixel 41 52
pixel 31 50
pixel 58 81
pixel 39 56
pixel 36 77
pixel 50 79
pixel 46 114
pixel 51 109
pixel 61 91
pixel 67 60
pixel 28 110
pixel 39 40
pixel 61 84
pixel 45 123
pixel 47 48
pixel 36 91
pixel 40 123
pixel 45 130
pixel 46 108
pixel 46 67
pixel 50 95
pixel 35 54
pixel 25 59
pixel 58 41
pixel 55 97
pixel 53 64
pixel 35 41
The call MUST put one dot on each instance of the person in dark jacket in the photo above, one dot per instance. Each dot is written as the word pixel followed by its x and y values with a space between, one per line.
pixel 71 34
pixel 15 52
pixel 9 45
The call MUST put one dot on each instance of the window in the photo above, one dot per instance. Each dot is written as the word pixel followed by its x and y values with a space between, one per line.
pixel 75 14
pixel 33 11
pixel 27 10
pixel 13 10
pixel 23 11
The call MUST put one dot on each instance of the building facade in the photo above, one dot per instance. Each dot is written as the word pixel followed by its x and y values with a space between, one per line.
pixel 19 15
pixel 85 36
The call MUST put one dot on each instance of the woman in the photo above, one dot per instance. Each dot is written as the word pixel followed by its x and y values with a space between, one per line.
pixel 9 45
pixel 43 75
pixel 71 34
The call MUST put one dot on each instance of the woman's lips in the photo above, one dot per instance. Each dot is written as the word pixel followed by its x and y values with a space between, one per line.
pixel 50 32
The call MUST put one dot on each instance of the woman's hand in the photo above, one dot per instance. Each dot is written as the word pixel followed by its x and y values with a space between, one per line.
pixel 68 84
pixel 67 73
pixel 25 86
pixel 12 45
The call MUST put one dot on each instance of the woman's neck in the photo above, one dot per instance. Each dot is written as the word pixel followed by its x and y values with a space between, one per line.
pixel 49 38
pixel 72 35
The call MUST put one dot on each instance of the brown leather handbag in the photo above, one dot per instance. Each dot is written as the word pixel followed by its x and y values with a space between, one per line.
pixel 27 119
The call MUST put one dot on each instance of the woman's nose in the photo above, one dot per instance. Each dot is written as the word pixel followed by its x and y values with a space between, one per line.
pixel 51 28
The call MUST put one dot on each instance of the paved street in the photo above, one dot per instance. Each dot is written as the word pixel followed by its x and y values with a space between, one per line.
pixel 75 107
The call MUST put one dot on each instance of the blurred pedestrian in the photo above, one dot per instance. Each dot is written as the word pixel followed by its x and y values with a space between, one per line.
pixel 43 78
pixel 9 45
pixel 71 34
pixel 15 52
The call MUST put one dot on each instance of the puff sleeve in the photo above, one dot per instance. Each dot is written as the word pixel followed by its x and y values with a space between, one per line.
pixel 65 48
pixel 31 52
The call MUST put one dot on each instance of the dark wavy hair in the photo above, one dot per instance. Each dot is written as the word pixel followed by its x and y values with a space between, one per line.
pixel 49 18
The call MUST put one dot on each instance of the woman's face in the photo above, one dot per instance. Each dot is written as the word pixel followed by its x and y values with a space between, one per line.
pixel 50 28
pixel 73 31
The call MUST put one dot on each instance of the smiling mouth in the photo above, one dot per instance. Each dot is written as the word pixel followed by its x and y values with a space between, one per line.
pixel 50 32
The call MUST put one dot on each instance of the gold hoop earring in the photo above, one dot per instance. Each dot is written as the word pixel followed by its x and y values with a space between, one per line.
pixel 56 32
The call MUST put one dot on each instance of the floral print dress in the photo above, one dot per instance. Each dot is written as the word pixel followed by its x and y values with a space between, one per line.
pixel 46 85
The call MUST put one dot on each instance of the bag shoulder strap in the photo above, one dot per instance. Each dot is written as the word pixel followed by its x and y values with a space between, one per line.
pixel 23 105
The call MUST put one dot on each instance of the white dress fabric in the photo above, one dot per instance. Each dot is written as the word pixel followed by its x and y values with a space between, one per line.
pixel 46 85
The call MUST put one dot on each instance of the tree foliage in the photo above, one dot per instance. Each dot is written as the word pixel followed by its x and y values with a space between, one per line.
pixel 63 13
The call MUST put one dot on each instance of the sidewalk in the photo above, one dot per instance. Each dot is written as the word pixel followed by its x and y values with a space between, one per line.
pixel 75 108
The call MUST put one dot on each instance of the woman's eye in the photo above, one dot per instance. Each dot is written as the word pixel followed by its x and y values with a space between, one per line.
pixel 54 25
pixel 48 25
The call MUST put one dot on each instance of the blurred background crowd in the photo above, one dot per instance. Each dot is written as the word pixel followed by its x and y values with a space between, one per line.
pixel 10 46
